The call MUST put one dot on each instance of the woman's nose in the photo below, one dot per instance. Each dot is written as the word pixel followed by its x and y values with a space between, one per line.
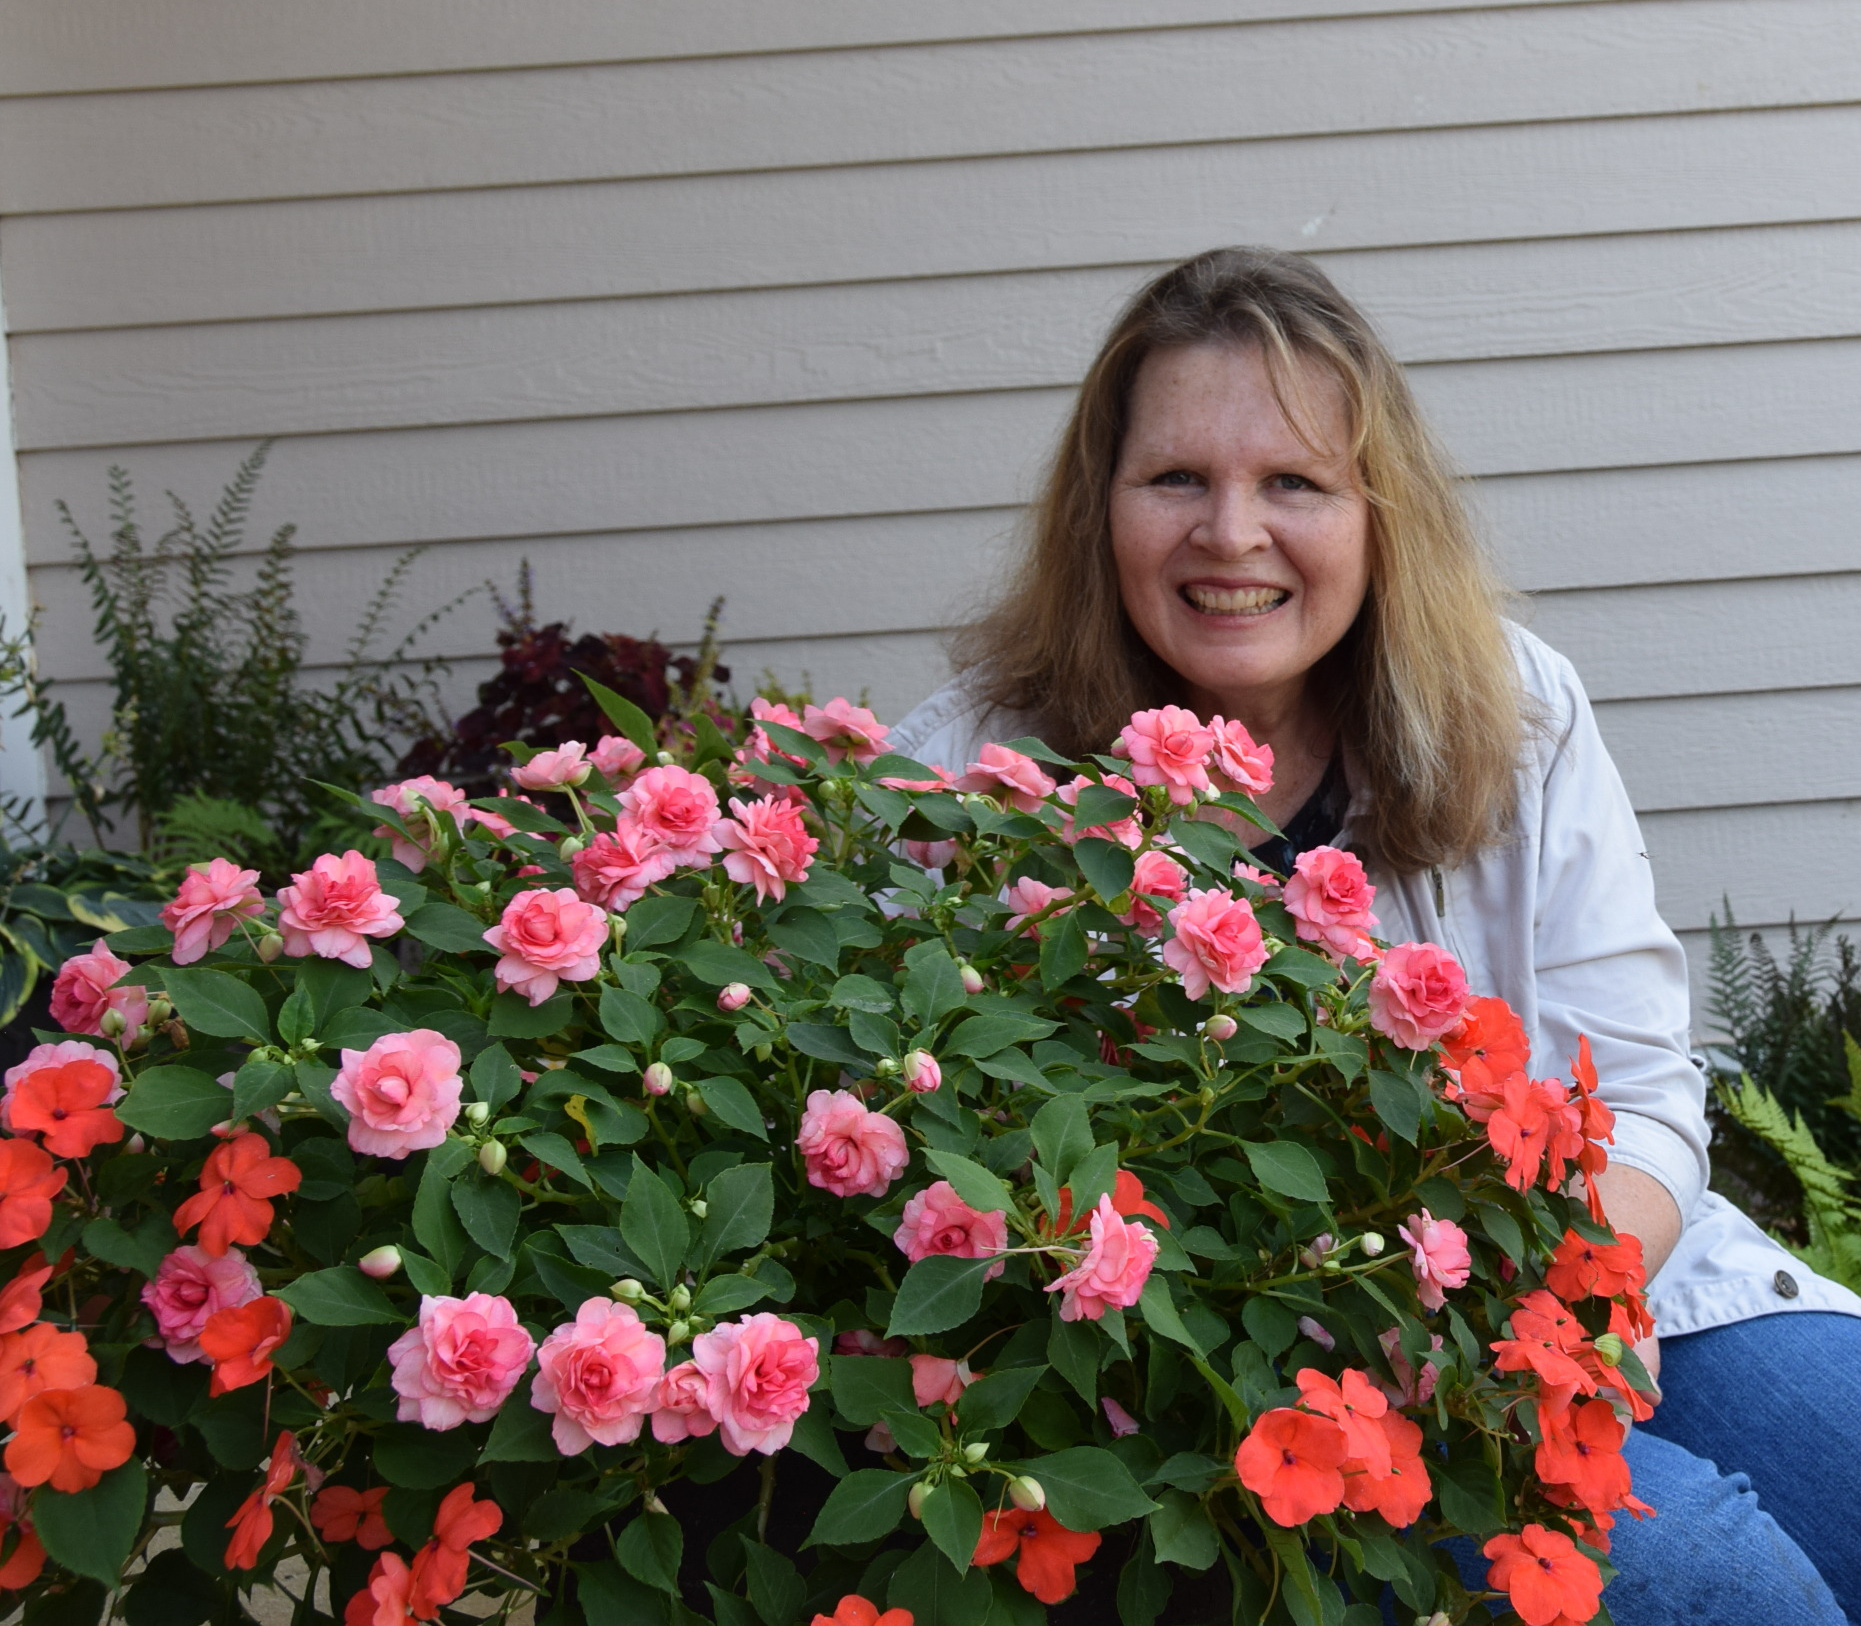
pixel 1235 523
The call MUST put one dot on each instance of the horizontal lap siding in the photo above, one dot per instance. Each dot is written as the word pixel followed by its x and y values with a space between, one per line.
pixel 787 303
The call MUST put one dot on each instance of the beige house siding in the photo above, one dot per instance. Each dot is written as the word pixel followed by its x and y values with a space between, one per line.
pixel 785 301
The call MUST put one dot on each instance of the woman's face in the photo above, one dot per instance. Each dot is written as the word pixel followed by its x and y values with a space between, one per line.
pixel 1243 555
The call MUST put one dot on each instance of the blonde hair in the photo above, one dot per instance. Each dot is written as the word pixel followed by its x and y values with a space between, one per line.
pixel 1423 689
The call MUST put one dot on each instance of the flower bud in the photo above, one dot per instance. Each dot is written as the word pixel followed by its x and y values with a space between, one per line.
pixel 1372 1245
pixel 922 1072
pixel 696 1104
pixel 1315 1252
pixel 381 1263
pixel 652 1504
pixel 569 846
pixel 957 1471
pixel 678 1301
pixel 477 1113
pixel 658 1079
pixel 1610 1349
pixel 666 759
pixel 135 1144
pixel 678 1332
pixel 1027 1493
pixel 918 1496
pixel 734 996
pixel 972 978
pixel 1221 1028
pixel 617 925
pixel 884 1067
pixel 159 1012
pixel 113 1025
pixel 700 1209
pixel 976 1452
pixel 763 1051
pixel 270 946
pixel 629 1290
pixel 492 1157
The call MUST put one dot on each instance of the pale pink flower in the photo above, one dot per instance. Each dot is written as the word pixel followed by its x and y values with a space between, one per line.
pixel 1244 871
pixel 1408 1389
pixel 941 780
pixel 1418 994
pixel 679 1411
pixel 678 808
pixel 545 938
pixel 459 1363
pixel 846 730
pixel 1170 747
pixel 617 759
pixel 849 1150
pixel 56 1055
pixel 1013 779
pixel 920 1072
pixel 864 1341
pixel 1318 1332
pixel 1237 762
pixel 402 1093
pixel 1027 897
pixel 190 1286
pixel 1159 876
pixel 84 990
pixel 496 823
pixel 600 1375
pixel 1127 832
pixel 333 908
pixel 419 802
pixel 1329 895
pixel 1217 943
pixel 566 765
pixel 1123 1424
pixel 758 747
pixel 209 906
pixel 733 996
pixel 935 1378
pixel 930 854
pixel 1439 1256
pixel 936 1220
pixel 757 1374
pixel 616 867
pixel 766 846
pixel 1114 1270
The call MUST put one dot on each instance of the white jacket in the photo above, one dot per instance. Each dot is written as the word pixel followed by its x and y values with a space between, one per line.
pixel 1560 922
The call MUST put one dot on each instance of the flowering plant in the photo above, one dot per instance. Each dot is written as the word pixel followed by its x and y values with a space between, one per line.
pixel 802 1178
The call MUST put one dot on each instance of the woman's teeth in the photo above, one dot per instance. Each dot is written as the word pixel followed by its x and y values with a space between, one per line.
pixel 1235 600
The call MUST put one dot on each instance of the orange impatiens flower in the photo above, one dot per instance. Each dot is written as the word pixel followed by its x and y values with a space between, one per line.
pixel 1544 1575
pixel 1128 1198
pixel 1488 1047
pixel 1048 1552
pixel 22 1299
pixel 1355 1405
pixel 23 1564
pixel 1583 1449
pixel 1293 1462
pixel 233 1204
pixel 383 1602
pixel 70 1438
pixel 29 1180
pixel 240 1341
pixel 856 1611
pixel 1402 1493
pixel 440 1566
pixel 343 1513
pixel 253 1522
pixel 1598 1125
pixel 1581 1267
pixel 39 1358
pixel 1525 1126
pixel 67 1106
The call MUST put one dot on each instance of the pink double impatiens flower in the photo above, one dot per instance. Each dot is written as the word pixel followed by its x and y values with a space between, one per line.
pixel 547 938
pixel 402 1093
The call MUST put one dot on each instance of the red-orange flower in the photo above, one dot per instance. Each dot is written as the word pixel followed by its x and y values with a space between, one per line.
pixel 1402 1493
pixel 22 1299
pixel 1127 1198
pixel 1581 1267
pixel 23 1564
pixel 856 1611
pixel 383 1602
pixel 29 1180
pixel 1525 1126
pixel 343 1513
pixel 1488 1047
pixel 440 1566
pixel 41 1357
pixel 1583 1449
pixel 1355 1405
pixel 1546 1339
pixel 70 1438
pixel 1292 1460
pixel 1048 1551
pixel 240 1341
pixel 1598 1125
pixel 1544 1575
pixel 66 1105
pixel 252 1524
pixel 233 1204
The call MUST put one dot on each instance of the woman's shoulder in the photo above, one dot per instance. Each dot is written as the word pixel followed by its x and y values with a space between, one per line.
pixel 950 728
pixel 1553 693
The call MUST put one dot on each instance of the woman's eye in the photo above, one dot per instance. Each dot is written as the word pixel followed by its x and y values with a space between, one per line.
pixel 1293 482
pixel 1175 477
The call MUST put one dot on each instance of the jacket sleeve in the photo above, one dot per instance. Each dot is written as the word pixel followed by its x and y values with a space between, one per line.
pixel 1606 963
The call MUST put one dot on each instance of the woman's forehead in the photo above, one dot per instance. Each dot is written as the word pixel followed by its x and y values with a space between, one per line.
pixel 1182 394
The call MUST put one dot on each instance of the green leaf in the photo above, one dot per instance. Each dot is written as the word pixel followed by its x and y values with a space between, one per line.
pixel 1161 1315
pixel 92 1532
pixel 953 1519
pixel 823 1043
pixel 865 1386
pixel 733 1104
pixel 1287 1168
pixel 450 929
pixel 605 1594
pixel 520 1432
pixel 1062 952
pixel 175 1103
pixel 1279 1020
pixel 650 1549
pixel 1073 1352
pixel 339 1297
pixel 1301 966
pixel 1503 1229
pixel 1107 866
pixel 428 1277
pixel 1088 1489
pixel 1270 1324
pixel 936 1595
pixel 624 715
pixel 995 1401
pixel 1095 1175
pixel 1205 841
pixel 725 1295
pixel 1303 1588
pixel 1062 1133
pixel 855 992
pixel 213 1002
pixel 556 1152
pixel 329 986
pixel 1183 1532
pixel 514 1017
pixel 1101 805
pixel 436 1226
pixel 806 934
pixel 653 1224
pixel 358 1028
pixel 980 1036
pixel 1398 1100
pixel 985 1192
pixel 719 963
pixel 864 1506
pixel 488 1209
pixel 937 1293
pixel 629 1018
pixel 141 1250
pixel 915 1433
pixel 261 1084
pixel 495 1078
pixel 422 1458
pixel 814 1438
pixel 739 1209
pixel 776 1588
pixel 1470 1494
pixel 933 983
pixel 656 920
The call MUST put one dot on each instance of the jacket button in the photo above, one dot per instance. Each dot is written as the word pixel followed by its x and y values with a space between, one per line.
pixel 1785 1284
